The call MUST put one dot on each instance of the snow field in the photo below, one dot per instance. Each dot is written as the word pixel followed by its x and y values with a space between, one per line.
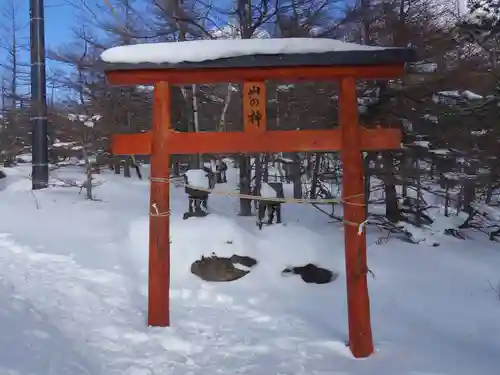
pixel 73 287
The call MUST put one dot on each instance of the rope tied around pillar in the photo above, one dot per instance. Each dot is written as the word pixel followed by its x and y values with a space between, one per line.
pixel 157 212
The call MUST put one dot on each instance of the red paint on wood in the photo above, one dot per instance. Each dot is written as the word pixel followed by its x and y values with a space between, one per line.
pixel 159 222
pixel 268 141
pixel 131 143
pixel 350 138
pixel 180 76
pixel 358 303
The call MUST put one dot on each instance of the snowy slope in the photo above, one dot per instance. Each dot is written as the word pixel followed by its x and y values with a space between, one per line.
pixel 73 293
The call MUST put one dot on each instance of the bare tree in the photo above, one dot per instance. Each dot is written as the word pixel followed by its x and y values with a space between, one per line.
pixel 14 77
pixel 13 42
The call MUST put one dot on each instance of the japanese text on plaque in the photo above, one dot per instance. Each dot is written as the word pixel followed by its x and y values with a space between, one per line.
pixel 254 98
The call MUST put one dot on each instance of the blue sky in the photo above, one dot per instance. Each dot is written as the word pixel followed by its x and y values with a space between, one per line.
pixel 59 19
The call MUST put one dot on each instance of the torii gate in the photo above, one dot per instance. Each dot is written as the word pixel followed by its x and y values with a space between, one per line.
pixel 345 64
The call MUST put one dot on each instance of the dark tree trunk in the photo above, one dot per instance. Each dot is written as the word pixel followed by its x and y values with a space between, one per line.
pixel 366 167
pixel 245 173
pixel 405 168
pixel 493 176
pixel 177 168
pixel 469 190
pixel 391 198
pixel 297 183
pixel 315 175
pixel 126 169
pixel 469 195
pixel 265 175
pixel 419 191
pixel 447 199
pixel 258 174
pixel 117 167
pixel 138 170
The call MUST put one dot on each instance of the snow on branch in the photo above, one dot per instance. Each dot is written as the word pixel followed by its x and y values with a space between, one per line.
pixel 482 21
pixel 86 120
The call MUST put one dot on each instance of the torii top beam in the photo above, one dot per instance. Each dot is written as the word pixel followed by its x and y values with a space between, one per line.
pixel 252 60
pixel 290 59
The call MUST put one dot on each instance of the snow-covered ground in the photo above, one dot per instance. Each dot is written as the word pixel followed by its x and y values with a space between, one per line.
pixel 73 288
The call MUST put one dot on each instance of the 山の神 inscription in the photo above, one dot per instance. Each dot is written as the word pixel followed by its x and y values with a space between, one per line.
pixel 254 97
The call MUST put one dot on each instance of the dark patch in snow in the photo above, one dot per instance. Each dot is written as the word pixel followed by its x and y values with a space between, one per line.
pixel 312 274
pixel 217 269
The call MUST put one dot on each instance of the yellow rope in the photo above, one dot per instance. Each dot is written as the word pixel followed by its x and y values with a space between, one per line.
pixel 360 225
pixel 259 198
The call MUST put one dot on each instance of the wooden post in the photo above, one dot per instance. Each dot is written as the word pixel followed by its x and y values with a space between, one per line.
pixel 358 303
pixel 159 220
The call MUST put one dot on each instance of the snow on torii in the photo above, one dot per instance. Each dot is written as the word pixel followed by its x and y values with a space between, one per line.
pixel 252 62
pixel 204 50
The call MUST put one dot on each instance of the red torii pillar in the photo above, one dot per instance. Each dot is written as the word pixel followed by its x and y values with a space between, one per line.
pixel 350 139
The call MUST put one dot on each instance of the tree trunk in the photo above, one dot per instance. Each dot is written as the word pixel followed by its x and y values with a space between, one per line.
pixel 297 183
pixel 126 168
pixel 315 175
pixel 419 191
pixel 245 173
pixel 469 189
pixel 405 167
pixel 447 199
pixel 265 175
pixel 366 167
pixel 392 212
pixel 492 177
pixel 88 172
pixel 258 174
pixel 469 195
pixel 196 119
